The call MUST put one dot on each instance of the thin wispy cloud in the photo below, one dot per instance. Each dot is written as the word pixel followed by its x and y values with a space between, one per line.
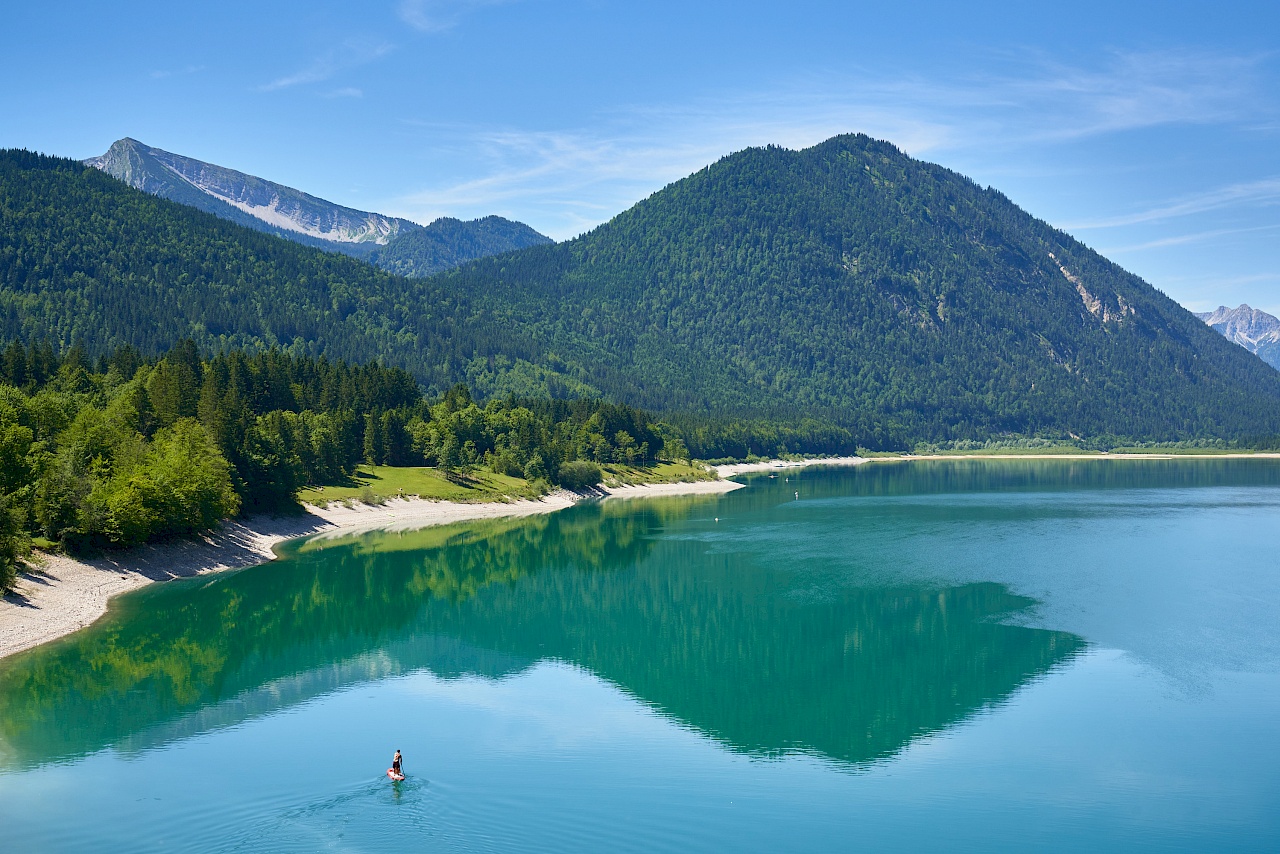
pixel 345 92
pixel 578 177
pixel 1138 90
pixel 1262 192
pixel 341 58
pixel 432 16
pixel 1184 239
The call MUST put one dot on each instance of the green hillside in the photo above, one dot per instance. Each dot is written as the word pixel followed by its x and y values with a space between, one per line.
pixel 852 282
pixel 877 299
pixel 85 258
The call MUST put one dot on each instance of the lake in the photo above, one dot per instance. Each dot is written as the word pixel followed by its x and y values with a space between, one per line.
pixel 963 655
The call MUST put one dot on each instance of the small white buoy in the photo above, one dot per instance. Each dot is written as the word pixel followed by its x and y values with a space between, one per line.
pixel 717 518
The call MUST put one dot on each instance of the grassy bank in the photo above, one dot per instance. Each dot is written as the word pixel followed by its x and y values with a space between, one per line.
pixel 623 475
pixel 374 484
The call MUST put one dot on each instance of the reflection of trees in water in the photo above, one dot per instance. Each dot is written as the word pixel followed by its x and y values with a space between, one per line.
pixel 713 641
pixel 170 649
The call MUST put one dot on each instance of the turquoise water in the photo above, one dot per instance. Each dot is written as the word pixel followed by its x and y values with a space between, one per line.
pixel 961 655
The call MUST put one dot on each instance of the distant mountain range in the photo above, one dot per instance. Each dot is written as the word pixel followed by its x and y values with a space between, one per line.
pixel 1256 331
pixel 843 287
pixel 285 212
pixel 448 242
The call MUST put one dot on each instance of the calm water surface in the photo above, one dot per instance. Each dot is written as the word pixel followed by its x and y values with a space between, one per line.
pixel 960 655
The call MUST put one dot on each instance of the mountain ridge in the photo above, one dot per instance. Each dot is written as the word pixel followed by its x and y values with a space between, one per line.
pixel 449 242
pixel 846 287
pixel 286 211
pixel 295 215
pixel 1254 330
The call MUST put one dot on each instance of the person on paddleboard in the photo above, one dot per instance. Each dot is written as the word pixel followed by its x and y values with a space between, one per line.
pixel 395 764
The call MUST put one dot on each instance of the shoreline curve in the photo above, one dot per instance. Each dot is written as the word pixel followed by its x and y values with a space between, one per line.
pixel 58 595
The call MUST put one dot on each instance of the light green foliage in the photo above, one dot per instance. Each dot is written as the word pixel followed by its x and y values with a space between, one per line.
pixel 131 450
pixel 579 474
pixel 616 474
pixel 374 484
pixel 121 489
pixel 674 449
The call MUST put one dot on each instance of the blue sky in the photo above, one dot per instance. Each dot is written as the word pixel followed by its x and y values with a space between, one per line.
pixel 1151 131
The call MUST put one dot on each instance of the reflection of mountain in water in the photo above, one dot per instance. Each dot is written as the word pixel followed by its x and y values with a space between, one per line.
pixel 714 641
pixel 854 678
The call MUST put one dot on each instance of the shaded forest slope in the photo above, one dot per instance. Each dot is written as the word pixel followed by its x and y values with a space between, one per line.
pixel 845 284
pixel 87 259
pixel 851 282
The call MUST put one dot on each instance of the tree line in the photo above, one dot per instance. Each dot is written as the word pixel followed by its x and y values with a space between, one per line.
pixel 846 285
pixel 125 449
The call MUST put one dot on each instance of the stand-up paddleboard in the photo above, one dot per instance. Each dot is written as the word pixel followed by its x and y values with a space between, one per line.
pixel 394 774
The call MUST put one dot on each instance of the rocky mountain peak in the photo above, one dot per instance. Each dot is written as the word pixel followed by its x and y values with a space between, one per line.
pixel 1256 331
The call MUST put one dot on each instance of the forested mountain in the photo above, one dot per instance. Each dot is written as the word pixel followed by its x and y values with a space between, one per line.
pixel 448 243
pixel 845 294
pixel 854 283
pixel 85 258
pixel 1254 330
pixel 408 248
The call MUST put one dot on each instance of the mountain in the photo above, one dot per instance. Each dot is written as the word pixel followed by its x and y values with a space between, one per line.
pixel 1256 331
pixel 846 287
pixel 449 242
pixel 852 283
pixel 254 202
pixel 85 258
pixel 408 248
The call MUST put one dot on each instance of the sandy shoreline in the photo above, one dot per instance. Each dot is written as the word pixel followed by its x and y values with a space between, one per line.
pixel 773 465
pixel 61 594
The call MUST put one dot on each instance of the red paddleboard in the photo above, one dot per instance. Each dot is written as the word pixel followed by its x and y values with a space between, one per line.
pixel 394 775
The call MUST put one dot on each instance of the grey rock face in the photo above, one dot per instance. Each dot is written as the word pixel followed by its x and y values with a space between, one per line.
pixel 398 245
pixel 1256 331
pixel 248 200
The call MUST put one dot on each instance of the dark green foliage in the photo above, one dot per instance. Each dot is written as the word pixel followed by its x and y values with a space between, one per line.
pixel 580 474
pixel 851 284
pixel 739 438
pixel 448 242
pixel 136 449
pixel 812 301
pixel 531 438
pixel 107 458
pixel 85 258
pixel 13 540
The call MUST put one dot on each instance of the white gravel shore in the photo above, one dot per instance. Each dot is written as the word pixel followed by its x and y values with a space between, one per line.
pixel 772 465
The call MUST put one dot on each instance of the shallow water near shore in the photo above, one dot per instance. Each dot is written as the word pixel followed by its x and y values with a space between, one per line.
pixel 961 654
